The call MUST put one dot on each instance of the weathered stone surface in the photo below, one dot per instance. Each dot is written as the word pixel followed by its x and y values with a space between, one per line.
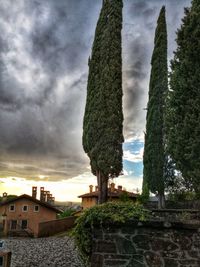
pixel 117 256
pixel 116 263
pixel 129 229
pixel 189 263
pixel 141 241
pixel 171 263
pixel 153 259
pixel 162 244
pixel 136 263
pixel 124 246
pixel 105 246
pixel 97 260
pixel 173 254
pixel 98 234
pixel 194 254
pixel 184 241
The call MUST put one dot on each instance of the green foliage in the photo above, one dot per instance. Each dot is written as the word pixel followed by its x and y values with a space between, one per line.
pixel 111 212
pixel 144 197
pixel 66 213
pixel 124 197
pixel 183 116
pixel 154 150
pixel 184 216
pixel 103 118
pixel 182 196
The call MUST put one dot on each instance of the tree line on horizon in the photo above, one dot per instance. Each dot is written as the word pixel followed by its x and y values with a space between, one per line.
pixel 172 137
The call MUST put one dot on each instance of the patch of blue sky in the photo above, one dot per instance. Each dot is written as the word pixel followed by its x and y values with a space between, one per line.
pixel 134 169
pixel 133 156
pixel 134 146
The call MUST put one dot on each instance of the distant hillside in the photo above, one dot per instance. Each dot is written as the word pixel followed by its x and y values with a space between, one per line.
pixel 66 203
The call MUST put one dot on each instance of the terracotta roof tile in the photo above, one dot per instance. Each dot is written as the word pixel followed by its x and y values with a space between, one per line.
pixel 116 193
pixel 45 204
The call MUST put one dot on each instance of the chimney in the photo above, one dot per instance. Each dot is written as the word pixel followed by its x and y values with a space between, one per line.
pixel 96 188
pixel 34 191
pixel 49 196
pixel 42 194
pixel 119 187
pixel 112 187
pixel 4 196
pixel 45 196
pixel 52 200
pixel 91 188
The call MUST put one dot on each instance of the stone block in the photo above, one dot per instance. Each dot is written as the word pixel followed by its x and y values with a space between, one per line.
pixel 153 259
pixel 134 263
pixel 124 246
pixel 141 241
pixel 171 263
pixel 105 247
pixel 117 256
pixel 98 234
pixel 116 263
pixel 96 260
pixel 137 261
pixel 189 263
pixel 160 244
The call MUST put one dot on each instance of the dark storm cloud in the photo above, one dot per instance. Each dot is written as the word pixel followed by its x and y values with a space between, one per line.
pixel 44 50
pixel 138 46
pixel 44 57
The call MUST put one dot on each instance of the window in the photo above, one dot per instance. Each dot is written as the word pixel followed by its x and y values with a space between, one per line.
pixel 25 208
pixel 13 225
pixel 24 224
pixel 36 208
pixel 12 207
pixel 1 244
pixel 1 261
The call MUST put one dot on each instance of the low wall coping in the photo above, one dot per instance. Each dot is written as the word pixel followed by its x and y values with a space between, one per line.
pixel 163 224
pixel 62 219
pixel 175 210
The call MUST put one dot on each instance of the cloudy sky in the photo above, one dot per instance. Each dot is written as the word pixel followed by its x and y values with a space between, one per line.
pixel 44 50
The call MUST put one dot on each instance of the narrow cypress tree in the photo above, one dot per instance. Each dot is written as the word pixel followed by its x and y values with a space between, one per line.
pixel 103 119
pixel 154 150
pixel 183 120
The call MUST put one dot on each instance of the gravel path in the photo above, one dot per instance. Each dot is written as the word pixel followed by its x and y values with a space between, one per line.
pixel 43 252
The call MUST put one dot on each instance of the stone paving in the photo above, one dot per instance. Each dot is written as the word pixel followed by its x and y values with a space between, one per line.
pixel 43 252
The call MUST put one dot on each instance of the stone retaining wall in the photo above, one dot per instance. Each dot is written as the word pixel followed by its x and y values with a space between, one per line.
pixel 147 244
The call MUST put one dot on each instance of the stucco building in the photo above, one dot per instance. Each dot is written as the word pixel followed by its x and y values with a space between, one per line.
pixel 24 213
pixel 114 193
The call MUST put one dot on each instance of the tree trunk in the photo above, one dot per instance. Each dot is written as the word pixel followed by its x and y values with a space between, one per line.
pixel 99 187
pixel 103 188
pixel 161 201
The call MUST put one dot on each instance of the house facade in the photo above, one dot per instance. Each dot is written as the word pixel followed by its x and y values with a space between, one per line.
pixel 24 213
pixel 114 193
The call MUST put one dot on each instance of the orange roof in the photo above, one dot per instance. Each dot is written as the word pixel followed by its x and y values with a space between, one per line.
pixel 42 203
pixel 116 193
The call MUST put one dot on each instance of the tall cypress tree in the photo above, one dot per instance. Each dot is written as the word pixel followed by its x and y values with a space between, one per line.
pixel 154 150
pixel 103 119
pixel 183 120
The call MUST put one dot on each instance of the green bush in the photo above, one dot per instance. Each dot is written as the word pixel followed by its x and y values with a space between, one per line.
pixel 66 213
pixel 110 212
pixel 124 197
pixel 182 196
